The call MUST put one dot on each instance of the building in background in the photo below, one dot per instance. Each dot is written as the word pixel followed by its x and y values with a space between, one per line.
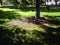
pixel 6 3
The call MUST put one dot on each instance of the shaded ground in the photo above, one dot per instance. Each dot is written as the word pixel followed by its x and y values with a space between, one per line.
pixel 51 36
pixel 15 30
pixel 43 8
pixel 48 20
pixel 29 11
pixel 15 35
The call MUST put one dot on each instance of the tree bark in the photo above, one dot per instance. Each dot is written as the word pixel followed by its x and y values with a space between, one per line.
pixel 37 9
pixel 1 2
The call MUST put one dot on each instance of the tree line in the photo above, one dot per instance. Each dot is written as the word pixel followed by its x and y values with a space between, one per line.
pixel 24 3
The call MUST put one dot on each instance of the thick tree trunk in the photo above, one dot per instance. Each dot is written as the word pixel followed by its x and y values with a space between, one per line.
pixel 37 9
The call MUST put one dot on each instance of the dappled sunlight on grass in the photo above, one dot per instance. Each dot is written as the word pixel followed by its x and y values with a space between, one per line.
pixel 25 14
pixel 25 25
pixel 18 12
pixel 6 9
pixel 8 15
pixel 19 36
pixel 17 29
pixel 31 11
pixel 50 13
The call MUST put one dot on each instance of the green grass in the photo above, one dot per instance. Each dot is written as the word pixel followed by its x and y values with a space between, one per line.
pixel 23 12
pixel 28 33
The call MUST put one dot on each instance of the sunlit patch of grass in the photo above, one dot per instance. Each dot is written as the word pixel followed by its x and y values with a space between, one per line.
pixel 25 14
pixel 31 12
pixel 31 27
pixel 25 32
pixel 25 25
pixel 50 13
pixel 6 9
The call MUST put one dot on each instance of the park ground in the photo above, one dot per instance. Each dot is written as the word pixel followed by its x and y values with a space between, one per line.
pixel 19 27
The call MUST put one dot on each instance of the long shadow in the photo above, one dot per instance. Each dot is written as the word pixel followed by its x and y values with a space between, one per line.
pixel 51 35
pixel 2 21
pixel 12 37
pixel 52 9
pixel 6 36
pixel 5 16
pixel 19 36
pixel 42 9
pixel 55 20
pixel 8 15
pixel 11 7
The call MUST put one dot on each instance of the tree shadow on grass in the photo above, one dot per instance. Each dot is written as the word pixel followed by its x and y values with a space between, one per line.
pixel 8 37
pixel 11 7
pixel 20 36
pixel 50 37
pixel 42 9
pixel 52 34
pixel 55 20
pixel 2 21
pixel 8 15
pixel 12 37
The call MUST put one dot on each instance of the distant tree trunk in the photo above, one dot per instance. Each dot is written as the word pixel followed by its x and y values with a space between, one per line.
pixel 1 2
pixel 56 2
pixel 23 3
pixel 47 5
pixel 37 9
pixel 15 3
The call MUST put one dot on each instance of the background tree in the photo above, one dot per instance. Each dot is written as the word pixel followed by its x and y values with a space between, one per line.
pixel 15 2
pixel 1 2
pixel 56 2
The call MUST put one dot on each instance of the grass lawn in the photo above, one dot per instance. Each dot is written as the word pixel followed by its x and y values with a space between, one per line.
pixel 30 11
pixel 17 29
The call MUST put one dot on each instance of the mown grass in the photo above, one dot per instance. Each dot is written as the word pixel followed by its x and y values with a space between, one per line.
pixel 30 11
pixel 28 33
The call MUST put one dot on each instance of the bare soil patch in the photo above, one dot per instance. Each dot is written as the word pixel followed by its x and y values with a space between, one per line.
pixel 44 20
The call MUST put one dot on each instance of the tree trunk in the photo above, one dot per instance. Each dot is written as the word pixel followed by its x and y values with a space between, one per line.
pixel 37 9
pixel 1 2
pixel 15 3
pixel 56 2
